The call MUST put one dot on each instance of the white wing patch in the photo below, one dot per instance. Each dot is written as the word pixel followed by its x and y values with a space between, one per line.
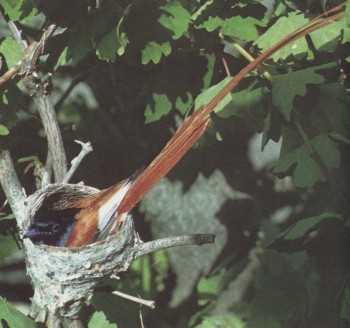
pixel 108 210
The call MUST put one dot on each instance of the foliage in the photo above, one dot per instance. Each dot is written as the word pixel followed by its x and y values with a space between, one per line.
pixel 10 317
pixel 132 62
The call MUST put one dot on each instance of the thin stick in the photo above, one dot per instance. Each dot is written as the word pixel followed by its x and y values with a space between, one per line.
pixel 43 101
pixel 85 149
pixel 17 34
pixel 159 244
pixel 53 134
pixel 139 300
pixel 46 175
pixel 224 63
pixel 10 73
pixel 250 58
pixel 12 187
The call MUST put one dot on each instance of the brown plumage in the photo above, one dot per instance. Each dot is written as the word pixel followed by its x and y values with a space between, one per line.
pixel 86 228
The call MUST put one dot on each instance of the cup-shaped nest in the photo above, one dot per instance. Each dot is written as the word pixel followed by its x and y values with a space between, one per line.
pixel 64 278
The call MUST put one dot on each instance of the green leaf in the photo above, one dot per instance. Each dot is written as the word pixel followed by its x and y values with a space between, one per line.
pixel 8 244
pixel 79 42
pixel 147 39
pixel 4 130
pixel 176 19
pixel 227 320
pixel 339 137
pixel 33 158
pixel 154 51
pixel 287 86
pixel 205 97
pixel 202 9
pixel 211 24
pixel 123 42
pixel 163 103
pixel 280 29
pixel 11 51
pixel 5 216
pixel 107 303
pixel 99 320
pixel 304 169
pixel 347 14
pixel 211 286
pixel 327 38
pixel 299 229
pixel 161 267
pixel 247 105
pixel 107 48
pixel 62 59
pixel 193 72
pixel 242 28
pixel 19 9
pixel 10 317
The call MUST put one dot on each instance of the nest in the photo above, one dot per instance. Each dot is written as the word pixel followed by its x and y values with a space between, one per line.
pixel 64 278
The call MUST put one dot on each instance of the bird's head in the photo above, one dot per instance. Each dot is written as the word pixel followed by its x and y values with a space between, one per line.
pixel 53 232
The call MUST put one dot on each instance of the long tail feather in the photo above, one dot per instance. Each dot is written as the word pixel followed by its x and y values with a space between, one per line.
pixel 174 150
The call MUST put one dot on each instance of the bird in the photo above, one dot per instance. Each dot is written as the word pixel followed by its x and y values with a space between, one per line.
pixel 100 215
pixel 82 223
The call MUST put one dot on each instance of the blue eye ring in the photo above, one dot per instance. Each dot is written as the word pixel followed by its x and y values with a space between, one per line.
pixel 56 228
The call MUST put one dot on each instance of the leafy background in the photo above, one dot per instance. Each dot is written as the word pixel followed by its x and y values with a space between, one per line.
pixel 125 75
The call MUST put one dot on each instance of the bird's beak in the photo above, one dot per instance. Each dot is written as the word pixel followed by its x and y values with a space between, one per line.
pixel 34 233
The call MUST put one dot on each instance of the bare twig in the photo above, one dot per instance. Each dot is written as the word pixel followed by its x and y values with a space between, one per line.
pixel 40 92
pixel 10 73
pixel 3 205
pixel 11 186
pixel 139 300
pixel 53 134
pixel 85 149
pixel 22 43
pixel 141 319
pixel 250 58
pixel 159 244
pixel 41 97
pixel 17 34
pixel 46 175
pixel 35 50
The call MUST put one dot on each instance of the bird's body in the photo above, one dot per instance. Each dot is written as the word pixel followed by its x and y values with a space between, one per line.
pixel 86 221
pixel 97 216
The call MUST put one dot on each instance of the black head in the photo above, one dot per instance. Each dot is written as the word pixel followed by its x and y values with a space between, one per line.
pixel 53 232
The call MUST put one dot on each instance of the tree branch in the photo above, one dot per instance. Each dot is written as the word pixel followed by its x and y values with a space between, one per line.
pixel 10 73
pixel 53 134
pixel 12 187
pixel 17 34
pixel 85 149
pixel 159 244
pixel 46 175
pixel 38 87
pixel 135 299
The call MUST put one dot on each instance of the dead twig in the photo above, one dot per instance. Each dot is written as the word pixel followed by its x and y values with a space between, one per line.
pixel 85 149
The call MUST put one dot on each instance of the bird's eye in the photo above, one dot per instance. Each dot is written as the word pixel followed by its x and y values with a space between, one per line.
pixel 56 228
